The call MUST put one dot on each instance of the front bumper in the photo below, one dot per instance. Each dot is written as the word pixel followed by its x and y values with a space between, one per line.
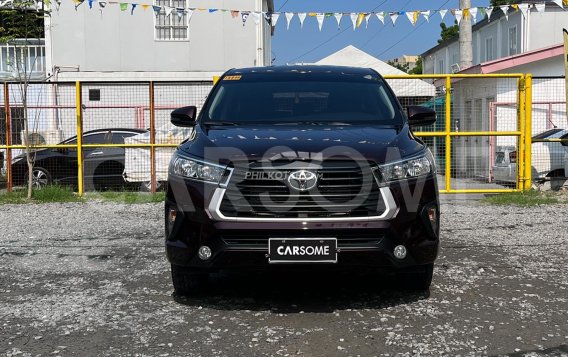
pixel 362 242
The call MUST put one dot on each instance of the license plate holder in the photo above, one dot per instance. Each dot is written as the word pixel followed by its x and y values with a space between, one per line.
pixel 302 250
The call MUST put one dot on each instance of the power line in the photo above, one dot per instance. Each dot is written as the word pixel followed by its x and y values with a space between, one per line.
pixel 280 8
pixel 331 38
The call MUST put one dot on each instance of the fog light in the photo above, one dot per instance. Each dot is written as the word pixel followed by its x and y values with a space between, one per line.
pixel 204 252
pixel 171 219
pixel 400 252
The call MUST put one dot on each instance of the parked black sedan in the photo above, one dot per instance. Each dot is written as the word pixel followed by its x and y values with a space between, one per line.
pixel 102 166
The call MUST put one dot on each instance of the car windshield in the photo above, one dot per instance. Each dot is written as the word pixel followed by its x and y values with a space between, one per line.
pixel 367 100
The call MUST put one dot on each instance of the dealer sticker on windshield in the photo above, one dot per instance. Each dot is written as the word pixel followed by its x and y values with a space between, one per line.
pixel 302 250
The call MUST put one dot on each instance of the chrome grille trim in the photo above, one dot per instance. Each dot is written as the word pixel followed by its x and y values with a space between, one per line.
pixel 214 211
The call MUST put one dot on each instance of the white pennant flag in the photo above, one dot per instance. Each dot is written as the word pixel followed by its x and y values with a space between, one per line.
pixel 189 13
pixel 524 9
pixel 302 17
pixel 426 15
pixel 367 18
pixel 381 17
pixel 289 16
pixel 354 20
pixel 338 17
pixel 443 13
pixel 505 9
pixel 320 18
pixel 458 14
pixel 488 11
pixel 540 7
pixel 168 10
pixel 559 3
pixel 256 17
pixel 410 16
pixel 394 16
pixel 473 13
pixel 274 18
pixel 180 13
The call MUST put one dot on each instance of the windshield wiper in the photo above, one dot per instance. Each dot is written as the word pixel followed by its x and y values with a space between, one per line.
pixel 220 123
pixel 335 123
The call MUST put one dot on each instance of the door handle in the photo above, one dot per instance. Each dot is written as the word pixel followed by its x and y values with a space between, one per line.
pixel 94 153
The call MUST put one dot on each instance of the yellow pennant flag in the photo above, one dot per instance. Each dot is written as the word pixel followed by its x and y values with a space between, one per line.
pixel 465 13
pixel 145 6
pixel 515 6
pixel 312 14
pixel 360 19
pixel 415 17
pixel 565 2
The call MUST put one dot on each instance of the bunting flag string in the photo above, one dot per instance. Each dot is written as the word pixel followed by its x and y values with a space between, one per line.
pixel 357 18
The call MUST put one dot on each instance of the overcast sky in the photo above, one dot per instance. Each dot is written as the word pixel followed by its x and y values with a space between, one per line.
pixel 382 41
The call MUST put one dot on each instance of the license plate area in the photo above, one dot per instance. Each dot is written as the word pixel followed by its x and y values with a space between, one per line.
pixel 302 250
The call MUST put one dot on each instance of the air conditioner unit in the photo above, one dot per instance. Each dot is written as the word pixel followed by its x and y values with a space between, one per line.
pixel 42 137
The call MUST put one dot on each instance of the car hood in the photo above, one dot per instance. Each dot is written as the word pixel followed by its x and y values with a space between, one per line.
pixel 252 143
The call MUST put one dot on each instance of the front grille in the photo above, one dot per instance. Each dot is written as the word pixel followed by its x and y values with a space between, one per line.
pixel 352 240
pixel 341 191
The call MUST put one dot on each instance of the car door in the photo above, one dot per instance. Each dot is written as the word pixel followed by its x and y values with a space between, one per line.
pixel 94 158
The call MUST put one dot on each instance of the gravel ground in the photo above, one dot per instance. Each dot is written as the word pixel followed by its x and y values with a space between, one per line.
pixel 92 279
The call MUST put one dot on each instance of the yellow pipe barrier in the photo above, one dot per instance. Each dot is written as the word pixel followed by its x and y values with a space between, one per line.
pixel 79 110
pixel 496 190
pixel 520 183
pixel 470 133
pixel 85 146
pixel 448 128
pixel 442 76
pixel 528 132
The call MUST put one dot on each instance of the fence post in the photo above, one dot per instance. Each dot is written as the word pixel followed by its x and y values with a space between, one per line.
pixel 528 132
pixel 8 118
pixel 79 109
pixel 522 143
pixel 448 130
pixel 152 140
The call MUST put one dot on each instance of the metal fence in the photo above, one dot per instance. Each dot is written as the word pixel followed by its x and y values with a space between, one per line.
pixel 116 135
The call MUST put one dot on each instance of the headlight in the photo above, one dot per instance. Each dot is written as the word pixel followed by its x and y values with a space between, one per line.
pixel 16 159
pixel 405 169
pixel 198 170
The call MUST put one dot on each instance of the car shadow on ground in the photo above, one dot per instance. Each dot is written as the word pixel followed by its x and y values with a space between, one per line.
pixel 300 292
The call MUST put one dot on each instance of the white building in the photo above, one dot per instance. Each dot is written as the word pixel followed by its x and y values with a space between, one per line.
pixel 519 44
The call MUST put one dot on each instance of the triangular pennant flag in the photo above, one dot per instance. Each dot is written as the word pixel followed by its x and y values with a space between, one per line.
pixel 354 20
pixel 524 9
pixel 168 10
pixel 274 18
pixel 505 9
pixel 473 13
pixel 360 19
pixel 338 17
pixel 443 13
pixel 145 6
pixel 393 16
pixel 466 14
pixel 481 11
pixel 367 18
pixel 515 6
pixel 132 8
pixel 558 2
pixel 244 16
pixel 381 17
pixel 123 6
pixel 320 18
pixel 458 14
pixel 78 3
pixel 540 7
pixel 256 17
pixel 102 4
pixel 212 10
pixel 154 7
pixel 410 16
pixel 189 14
pixel 234 14
pixel 180 12
pixel 302 17
pixel 488 11
pixel 289 17
pixel 89 1
pixel 426 15
pixel 312 14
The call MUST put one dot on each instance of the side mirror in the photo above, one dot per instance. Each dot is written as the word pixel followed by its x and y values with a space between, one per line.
pixel 420 116
pixel 184 116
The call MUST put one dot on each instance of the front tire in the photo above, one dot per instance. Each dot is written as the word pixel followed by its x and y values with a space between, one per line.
pixel 40 178
pixel 188 283
pixel 416 278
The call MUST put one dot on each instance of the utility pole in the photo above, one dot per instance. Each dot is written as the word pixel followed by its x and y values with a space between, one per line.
pixel 466 51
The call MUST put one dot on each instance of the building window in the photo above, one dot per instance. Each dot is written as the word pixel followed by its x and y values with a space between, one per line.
pixel 489 49
pixel 513 40
pixel 173 27
pixel 441 66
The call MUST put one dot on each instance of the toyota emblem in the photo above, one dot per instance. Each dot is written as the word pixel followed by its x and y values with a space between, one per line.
pixel 302 180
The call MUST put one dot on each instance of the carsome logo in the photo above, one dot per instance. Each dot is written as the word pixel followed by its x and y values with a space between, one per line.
pixel 302 180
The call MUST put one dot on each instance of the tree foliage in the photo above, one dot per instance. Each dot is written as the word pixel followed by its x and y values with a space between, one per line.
pixel 20 21
pixel 418 68
pixel 448 32
pixel 402 67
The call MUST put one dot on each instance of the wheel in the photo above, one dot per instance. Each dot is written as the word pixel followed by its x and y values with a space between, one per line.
pixel 146 186
pixel 188 283
pixel 416 278
pixel 40 178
